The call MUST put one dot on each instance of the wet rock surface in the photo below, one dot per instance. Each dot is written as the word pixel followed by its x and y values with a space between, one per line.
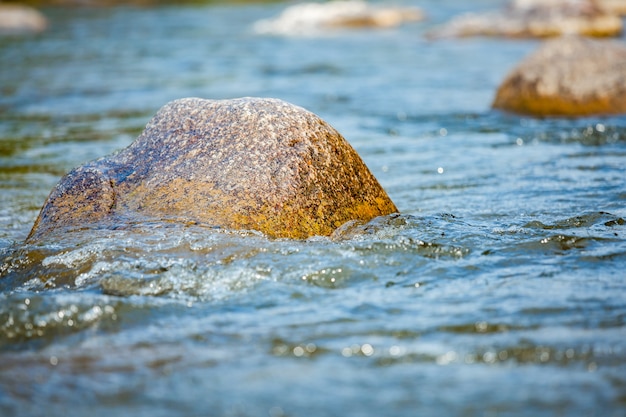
pixel 249 163
pixel 536 18
pixel 569 76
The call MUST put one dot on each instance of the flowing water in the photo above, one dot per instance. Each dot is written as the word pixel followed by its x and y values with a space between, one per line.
pixel 500 289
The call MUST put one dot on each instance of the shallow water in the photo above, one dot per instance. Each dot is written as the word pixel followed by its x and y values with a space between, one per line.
pixel 499 290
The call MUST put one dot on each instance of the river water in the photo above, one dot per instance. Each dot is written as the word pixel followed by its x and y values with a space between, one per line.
pixel 499 291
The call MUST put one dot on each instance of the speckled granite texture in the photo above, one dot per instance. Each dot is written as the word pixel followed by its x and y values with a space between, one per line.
pixel 249 163
pixel 569 76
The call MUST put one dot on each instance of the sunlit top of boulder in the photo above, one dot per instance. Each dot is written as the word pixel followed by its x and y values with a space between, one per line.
pixel 314 18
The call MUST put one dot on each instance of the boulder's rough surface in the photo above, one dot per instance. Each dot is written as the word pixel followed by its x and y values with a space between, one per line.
pixel 249 163
pixel 18 19
pixel 536 18
pixel 568 76
pixel 311 18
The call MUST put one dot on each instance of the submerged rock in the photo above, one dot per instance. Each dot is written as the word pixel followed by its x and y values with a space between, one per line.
pixel 17 19
pixel 249 163
pixel 306 18
pixel 536 18
pixel 569 76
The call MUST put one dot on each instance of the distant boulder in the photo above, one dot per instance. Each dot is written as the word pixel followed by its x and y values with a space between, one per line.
pixel 568 76
pixel 16 19
pixel 613 6
pixel 536 18
pixel 249 163
pixel 311 18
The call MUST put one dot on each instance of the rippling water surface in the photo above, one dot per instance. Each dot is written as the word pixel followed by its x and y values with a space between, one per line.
pixel 499 290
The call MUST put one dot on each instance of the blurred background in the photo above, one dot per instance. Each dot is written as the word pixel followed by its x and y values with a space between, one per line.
pixel 499 291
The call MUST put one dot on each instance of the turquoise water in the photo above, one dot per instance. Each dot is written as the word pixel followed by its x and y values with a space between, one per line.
pixel 499 291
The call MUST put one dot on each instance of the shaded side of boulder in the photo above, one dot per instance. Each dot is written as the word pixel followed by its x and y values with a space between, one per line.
pixel 85 194
pixel 258 164
pixel 17 19
pixel 536 18
pixel 569 76
pixel 310 18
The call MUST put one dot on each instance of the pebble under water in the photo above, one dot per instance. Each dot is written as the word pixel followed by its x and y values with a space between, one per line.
pixel 499 290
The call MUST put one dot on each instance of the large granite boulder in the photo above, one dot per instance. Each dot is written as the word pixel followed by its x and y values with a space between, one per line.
pixel 568 76
pixel 249 163
pixel 16 19
pixel 536 18
pixel 311 18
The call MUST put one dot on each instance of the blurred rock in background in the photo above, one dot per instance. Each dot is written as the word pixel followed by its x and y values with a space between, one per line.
pixel 539 18
pixel 18 19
